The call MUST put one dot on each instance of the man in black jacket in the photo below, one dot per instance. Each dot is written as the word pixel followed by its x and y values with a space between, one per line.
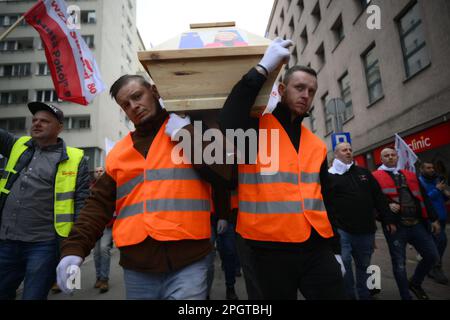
pixel 353 197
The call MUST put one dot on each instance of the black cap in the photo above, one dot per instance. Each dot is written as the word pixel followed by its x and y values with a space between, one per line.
pixel 40 106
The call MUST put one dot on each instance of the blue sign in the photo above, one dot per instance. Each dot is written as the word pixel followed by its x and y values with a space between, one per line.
pixel 337 138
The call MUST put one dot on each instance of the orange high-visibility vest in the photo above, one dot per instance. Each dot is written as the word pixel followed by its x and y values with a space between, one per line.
pixel 389 188
pixel 283 206
pixel 156 197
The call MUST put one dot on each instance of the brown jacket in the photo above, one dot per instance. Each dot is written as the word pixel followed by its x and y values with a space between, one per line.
pixel 150 255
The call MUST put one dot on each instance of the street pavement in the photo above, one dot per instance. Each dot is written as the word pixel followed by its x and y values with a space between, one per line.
pixel 380 258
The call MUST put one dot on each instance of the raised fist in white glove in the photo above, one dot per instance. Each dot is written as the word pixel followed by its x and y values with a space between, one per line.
pixel 222 226
pixel 341 263
pixel 68 266
pixel 176 123
pixel 276 53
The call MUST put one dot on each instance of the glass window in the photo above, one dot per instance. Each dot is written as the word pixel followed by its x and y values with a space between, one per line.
pixel 312 120
pixel 412 37
pixel 373 76
pixel 13 124
pixel 346 94
pixel 328 116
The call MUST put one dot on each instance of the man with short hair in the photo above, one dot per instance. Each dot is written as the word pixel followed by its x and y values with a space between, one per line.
pixel 353 197
pixel 282 214
pixel 162 228
pixel 409 202
pixel 42 189
pixel 438 193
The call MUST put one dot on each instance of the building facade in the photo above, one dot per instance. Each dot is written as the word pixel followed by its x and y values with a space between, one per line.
pixel 394 78
pixel 109 29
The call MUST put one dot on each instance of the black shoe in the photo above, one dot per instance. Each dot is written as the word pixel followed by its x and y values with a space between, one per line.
pixel 418 291
pixel 231 294
pixel 374 292
pixel 438 275
pixel 55 289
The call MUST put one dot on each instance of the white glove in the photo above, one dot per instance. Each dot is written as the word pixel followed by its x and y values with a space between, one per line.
pixel 68 266
pixel 176 123
pixel 339 260
pixel 276 53
pixel 222 226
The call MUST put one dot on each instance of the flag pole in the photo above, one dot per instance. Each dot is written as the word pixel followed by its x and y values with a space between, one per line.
pixel 11 28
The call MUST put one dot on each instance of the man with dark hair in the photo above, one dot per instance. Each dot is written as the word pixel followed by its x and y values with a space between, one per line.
pixel 163 208
pixel 282 215
pixel 438 193
pixel 409 202
pixel 43 188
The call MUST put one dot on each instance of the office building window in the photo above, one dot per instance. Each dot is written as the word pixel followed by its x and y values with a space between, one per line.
pixel 43 69
pixel 13 97
pixel 312 120
pixel 301 7
pixel 363 4
pixel 328 116
pixel 346 94
pixel 89 39
pixel 13 124
pixel 88 17
pixel 77 122
pixel 304 38
pixel 338 30
pixel 17 44
pixel 373 76
pixel 291 28
pixel 415 53
pixel 294 57
pixel 282 17
pixel 320 53
pixel 7 20
pixel 15 70
pixel 46 95
pixel 316 15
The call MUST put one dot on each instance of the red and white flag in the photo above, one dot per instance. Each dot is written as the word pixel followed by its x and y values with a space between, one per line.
pixel 75 73
pixel 406 157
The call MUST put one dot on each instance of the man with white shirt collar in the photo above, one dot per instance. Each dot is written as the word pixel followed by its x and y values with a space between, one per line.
pixel 354 194
pixel 409 202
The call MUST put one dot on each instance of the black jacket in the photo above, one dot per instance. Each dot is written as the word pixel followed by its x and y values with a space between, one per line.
pixel 353 200
pixel 7 141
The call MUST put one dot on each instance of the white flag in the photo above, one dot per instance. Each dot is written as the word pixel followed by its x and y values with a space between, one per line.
pixel 406 157
pixel 273 99
pixel 75 73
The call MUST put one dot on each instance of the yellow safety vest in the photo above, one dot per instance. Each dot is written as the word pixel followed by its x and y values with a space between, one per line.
pixel 65 183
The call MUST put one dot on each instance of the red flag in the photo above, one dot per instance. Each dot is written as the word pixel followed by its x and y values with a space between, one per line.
pixel 73 68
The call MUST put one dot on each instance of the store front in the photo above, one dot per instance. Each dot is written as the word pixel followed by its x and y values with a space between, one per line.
pixel 431 144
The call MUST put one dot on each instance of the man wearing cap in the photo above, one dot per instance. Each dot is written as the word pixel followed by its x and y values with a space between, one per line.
pixel 43 187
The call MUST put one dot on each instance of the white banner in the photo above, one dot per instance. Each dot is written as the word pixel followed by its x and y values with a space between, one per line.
pixel 406 157
pixel 75 73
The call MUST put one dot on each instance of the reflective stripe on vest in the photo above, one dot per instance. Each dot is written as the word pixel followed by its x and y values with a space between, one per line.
pixel 389 188
pixel 156 197
pixel 284 205
pixel 18 148
pixel 65 186
pixel 65 183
